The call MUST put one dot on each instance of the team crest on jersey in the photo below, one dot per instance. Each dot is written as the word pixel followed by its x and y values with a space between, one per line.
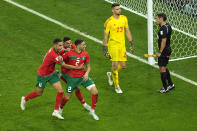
pixel 161 32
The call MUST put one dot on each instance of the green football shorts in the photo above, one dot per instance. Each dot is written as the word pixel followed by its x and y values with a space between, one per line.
pixel 73 82
pixel 42 80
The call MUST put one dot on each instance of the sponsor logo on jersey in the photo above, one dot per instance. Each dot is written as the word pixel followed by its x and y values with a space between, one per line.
pixel 161 32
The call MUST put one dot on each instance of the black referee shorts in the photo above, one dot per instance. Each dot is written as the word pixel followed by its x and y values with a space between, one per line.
pixel 163 60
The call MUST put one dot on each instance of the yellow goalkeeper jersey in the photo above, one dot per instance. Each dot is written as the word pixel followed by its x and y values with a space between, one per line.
pixel 116 29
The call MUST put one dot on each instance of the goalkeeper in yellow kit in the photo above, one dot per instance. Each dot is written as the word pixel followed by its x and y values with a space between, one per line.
pixel 115 28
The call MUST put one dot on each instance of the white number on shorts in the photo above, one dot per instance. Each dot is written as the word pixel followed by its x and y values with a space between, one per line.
pixel 40 84
pixel 69 89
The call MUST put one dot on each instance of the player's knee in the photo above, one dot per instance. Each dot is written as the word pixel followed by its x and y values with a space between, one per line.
pixel 114 67
pixel 60 90
pixel 77 89
pixel 67 96
pixel 124 67
pixel 162 69
pixel 94 90
pixel 39 93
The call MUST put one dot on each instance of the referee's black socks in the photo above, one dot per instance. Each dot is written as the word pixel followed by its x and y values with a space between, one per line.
pixel 168 77
pixel 163 79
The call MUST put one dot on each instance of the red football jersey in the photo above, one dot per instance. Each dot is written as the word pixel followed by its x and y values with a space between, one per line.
pixel 75 59
pixel 73 46
pixel 64 70
pixel 48 65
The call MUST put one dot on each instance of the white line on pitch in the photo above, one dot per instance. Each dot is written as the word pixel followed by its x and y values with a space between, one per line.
pixel 91 37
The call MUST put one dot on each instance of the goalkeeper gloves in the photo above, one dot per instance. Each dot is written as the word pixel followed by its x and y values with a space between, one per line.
pixel 132 46
pixel 105 52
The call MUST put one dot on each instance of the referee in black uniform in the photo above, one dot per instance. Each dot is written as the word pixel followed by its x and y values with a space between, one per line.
pixel 164 36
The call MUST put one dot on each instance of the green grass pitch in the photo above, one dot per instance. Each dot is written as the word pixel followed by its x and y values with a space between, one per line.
pixel 24 40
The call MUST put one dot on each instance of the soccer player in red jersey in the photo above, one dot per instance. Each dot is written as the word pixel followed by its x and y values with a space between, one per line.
pixel 46 73
pixel 67 46
pixel 77 57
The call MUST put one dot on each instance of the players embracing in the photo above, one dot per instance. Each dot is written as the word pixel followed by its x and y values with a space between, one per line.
pixel 77 56
pixel 46 73
pixel 72 57
pixel 68 46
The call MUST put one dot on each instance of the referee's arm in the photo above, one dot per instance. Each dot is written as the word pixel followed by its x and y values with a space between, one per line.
pixel 163 44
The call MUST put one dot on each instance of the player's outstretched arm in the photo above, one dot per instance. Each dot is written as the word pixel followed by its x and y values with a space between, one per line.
pixel 72 67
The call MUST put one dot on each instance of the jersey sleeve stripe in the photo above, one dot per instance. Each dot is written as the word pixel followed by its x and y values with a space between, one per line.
pixel 105 25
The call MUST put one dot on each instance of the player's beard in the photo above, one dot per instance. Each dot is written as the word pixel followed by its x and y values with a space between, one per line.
pixel 83 49
pixel 118 14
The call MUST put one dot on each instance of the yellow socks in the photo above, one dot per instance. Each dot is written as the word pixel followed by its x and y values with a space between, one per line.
pixel 119 68
pixel 115 77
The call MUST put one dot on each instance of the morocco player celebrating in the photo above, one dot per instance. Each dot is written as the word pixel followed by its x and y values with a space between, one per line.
pixel 47 73
pixel 67 46
pixel 77 57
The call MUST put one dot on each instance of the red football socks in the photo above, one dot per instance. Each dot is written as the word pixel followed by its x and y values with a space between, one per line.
pixel 94 101
pixel 59 99
pixel 63 102
pixel 79 96
pixel 31 95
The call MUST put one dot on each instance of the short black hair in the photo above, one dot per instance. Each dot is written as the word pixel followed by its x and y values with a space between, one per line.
pixel 57 40
pixel 66 39
pixel 114 5
pixel 78 41
pixel 162 15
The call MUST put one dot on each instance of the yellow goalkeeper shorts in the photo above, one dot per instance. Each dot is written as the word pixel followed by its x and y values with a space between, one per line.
pixel 117 53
